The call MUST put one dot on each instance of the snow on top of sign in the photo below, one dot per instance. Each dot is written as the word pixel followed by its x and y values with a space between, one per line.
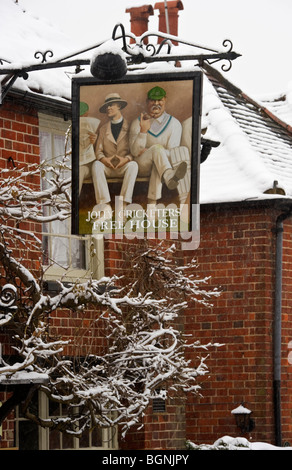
pixel 109 46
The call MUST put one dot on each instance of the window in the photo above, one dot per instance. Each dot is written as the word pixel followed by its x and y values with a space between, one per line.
pixel 65 255
pixel 30 436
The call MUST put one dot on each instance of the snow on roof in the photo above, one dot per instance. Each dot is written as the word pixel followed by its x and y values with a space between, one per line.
pixel 280 104
pixel 254 160
pixel 255 148
pixel 21 36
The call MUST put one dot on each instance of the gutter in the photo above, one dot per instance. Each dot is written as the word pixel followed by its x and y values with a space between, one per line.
pixel 43 102
pixel 278 325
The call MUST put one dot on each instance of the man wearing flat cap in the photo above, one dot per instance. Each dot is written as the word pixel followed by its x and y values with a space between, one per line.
pixel 152 136
pixel 113 158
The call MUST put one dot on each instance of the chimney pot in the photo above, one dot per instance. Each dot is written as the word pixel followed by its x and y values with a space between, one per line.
pixel 139 18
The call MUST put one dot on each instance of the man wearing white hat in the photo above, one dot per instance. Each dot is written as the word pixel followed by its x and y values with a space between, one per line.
pixel 113 158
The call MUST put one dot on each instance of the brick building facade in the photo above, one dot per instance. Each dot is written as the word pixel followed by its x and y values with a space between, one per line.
pixel 238 251
pixel 238 248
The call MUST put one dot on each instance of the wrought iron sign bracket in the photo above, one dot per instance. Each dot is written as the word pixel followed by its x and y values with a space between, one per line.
pixel 139 52
pixel 142 51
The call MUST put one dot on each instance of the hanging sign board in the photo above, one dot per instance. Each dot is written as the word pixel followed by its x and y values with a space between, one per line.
pixel 136 155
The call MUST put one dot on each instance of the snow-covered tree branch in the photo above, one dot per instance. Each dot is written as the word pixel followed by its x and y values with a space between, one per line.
pixel 146 347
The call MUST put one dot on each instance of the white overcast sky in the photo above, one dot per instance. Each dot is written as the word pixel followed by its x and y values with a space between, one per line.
pixel 261 30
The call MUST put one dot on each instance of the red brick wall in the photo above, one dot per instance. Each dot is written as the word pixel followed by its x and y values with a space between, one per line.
pixel 19 137
pixel 7 438
pixel 237 249
pixel 84 331
pixel 163 430
pixel 286 382
pixel 19 146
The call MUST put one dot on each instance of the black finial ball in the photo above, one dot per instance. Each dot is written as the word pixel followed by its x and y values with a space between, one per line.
pixel 108 66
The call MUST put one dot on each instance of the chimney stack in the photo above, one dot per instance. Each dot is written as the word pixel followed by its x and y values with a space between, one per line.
pixel 173 8
pixel 139 19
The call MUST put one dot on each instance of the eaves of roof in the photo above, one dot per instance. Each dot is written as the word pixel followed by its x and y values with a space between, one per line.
pixel 280 204
pixel 42 102
pixel 267 112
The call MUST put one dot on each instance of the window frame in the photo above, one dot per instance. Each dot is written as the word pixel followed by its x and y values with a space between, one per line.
pixel 109 436
pixel 94 265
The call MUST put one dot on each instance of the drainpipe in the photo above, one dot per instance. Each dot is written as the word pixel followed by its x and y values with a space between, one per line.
pixel 168 17
pixel 278 326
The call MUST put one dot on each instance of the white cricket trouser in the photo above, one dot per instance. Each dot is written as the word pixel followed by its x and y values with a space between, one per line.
pixel 100 173
pixel 153 162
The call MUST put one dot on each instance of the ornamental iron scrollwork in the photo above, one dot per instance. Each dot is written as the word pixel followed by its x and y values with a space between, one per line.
pixel 144 51
pixel 8 307
pixel 229 53
pixel 3 60
pixel 43 55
